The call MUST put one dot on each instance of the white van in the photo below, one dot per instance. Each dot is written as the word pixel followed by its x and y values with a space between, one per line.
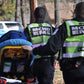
pixel 6 26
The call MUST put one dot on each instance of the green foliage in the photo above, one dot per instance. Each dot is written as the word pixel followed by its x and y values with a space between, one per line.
pixel 7 10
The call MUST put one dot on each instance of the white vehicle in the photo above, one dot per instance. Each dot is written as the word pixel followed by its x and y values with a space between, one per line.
pixel 6 26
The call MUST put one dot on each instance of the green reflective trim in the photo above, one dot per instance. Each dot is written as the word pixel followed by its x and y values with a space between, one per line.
pixel 75 39
pixel 39 38
pixel 71 50
pixel 38 56
pixel 68 29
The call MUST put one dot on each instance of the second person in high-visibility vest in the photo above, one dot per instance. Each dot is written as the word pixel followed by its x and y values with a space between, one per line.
pixel 38 33
pixel 69 39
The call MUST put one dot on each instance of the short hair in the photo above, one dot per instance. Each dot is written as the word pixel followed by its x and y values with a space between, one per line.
pixel 40 13
pixel 79 9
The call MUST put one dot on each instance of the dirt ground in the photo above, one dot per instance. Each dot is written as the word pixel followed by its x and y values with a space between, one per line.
pixel 58 79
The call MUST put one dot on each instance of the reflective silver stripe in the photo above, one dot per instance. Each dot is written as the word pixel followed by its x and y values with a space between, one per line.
pixel 31 25
pixel 36 45
pixel 73 44
pixel 72 55
pixel 70 22
pixel 55 31
pixel 48 25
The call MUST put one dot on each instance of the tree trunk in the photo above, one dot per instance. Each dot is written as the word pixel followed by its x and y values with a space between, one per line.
pixel 12 1
pixel 57 12
pixel 17 13
pixel 23 13
pixel 1 2
pixel 33 5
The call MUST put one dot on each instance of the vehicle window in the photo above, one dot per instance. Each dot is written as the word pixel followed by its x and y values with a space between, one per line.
pixel 1 26
pixel 13 25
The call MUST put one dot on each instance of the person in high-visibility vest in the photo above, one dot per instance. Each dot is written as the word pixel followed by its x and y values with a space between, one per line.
pixel 69 39
pixel 38 34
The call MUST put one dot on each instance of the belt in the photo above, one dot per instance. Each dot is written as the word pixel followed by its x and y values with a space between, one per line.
pixel 43 59
pixel 49 60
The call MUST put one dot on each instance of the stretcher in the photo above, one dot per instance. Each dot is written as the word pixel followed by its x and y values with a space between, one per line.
pixel 14 66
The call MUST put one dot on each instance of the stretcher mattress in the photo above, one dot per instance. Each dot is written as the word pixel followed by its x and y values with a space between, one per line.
pixel 14 42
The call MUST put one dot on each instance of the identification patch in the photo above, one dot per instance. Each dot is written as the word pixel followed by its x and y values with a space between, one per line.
pixel 37 31
pixel 77 30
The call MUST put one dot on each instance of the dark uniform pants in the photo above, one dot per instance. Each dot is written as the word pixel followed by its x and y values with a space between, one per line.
pixel 44 71
pixel 75 76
